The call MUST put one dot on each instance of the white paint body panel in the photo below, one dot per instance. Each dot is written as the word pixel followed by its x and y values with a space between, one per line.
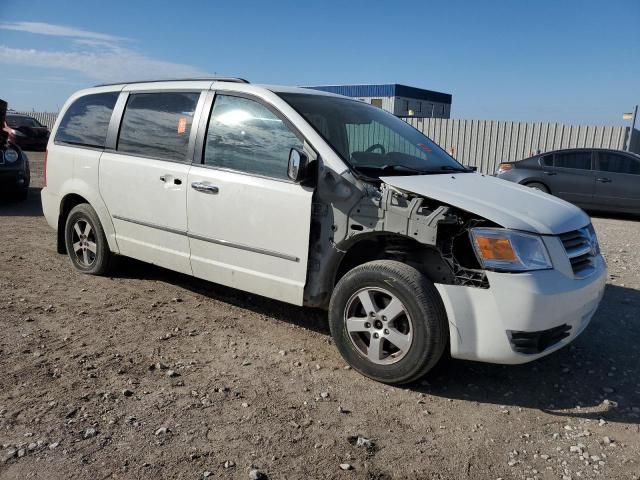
pixel 479 319
pixel 132 190
pixel 253 212
pixel 505 203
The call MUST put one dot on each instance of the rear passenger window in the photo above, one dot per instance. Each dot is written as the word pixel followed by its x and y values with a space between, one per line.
pixel 615 163
pixel 579 160
pixel 158 124
pixel 246 136
pixel 86 121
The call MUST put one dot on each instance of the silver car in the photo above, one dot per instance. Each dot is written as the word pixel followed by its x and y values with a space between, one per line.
pixel 595 179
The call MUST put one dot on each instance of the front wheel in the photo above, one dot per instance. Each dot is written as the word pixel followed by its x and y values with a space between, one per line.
pixel 86 242
pixel 388 321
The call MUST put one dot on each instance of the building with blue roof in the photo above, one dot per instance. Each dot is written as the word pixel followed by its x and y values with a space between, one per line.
pixel 401 100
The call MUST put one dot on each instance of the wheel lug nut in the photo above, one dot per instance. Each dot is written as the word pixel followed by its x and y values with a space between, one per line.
pixel 372 314
pixel 386 331
pixel 384 319
pixel 367 325
pixel 375 335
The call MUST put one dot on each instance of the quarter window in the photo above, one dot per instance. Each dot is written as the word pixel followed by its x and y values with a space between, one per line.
pixel 245 135
pixel 86 121
pixel 158 124
pixel 615 163
pixel 578 160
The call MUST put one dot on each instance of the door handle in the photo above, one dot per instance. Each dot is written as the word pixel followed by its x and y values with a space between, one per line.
pixel 603 180
pixel 205 188
pixel 546 172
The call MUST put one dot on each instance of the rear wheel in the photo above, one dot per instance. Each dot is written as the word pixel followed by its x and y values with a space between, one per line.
pixel 388 321
pixel 538 186
pixel 86 242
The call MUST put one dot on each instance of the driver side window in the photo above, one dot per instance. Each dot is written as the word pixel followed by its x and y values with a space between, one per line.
pixel 376 138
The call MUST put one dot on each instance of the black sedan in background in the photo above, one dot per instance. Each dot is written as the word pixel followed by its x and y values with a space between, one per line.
pixel 26 132
pixel 594 179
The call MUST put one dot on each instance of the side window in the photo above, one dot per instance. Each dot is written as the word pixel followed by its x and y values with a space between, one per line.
pixel 158 124
pixel 86 121
pixel 547 160
pixel 578 160
pixel 245 135
pixel 615 163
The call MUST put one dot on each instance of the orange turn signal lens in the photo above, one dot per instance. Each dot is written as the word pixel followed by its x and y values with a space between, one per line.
pixel 493 248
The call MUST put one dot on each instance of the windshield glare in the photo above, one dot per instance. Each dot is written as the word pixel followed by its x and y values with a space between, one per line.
pixel 370 140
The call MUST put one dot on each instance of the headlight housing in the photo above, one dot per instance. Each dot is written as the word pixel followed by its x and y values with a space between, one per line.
pixel 10 155
pixel 509 250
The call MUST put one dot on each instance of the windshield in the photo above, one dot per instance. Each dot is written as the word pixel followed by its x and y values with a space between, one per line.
pixel 370 140
pixel 17 121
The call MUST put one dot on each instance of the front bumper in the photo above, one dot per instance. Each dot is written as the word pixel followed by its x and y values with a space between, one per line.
pixel 13 179
pixel 489 324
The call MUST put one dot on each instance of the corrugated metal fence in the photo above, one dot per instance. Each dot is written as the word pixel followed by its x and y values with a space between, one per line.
pixel 486 143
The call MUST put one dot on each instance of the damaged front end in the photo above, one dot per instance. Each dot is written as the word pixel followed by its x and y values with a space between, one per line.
pixel 355 222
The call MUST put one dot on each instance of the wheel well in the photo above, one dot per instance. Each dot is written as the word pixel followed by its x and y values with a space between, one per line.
pixel 426 259
pixel 66 205
pixel 526 183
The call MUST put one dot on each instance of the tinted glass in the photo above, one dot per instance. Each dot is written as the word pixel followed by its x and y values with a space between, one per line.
pixel 158 124
pixel 247 136
pixel 547 160
pixel 369 139
pixel 17 121
pixel 86 121
pixel 616 163
pixel 579 160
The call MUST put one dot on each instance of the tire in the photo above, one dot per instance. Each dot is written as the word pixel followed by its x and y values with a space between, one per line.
pixel 93 255
pixel 419 333
pixel 538 186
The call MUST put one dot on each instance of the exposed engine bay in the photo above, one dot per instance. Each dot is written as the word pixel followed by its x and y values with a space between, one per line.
pixel 352 226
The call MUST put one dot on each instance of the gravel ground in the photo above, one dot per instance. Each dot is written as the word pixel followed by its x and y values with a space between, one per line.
pixel 150 373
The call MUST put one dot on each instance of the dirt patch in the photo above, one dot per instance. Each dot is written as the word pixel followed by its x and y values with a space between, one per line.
pixel 150 373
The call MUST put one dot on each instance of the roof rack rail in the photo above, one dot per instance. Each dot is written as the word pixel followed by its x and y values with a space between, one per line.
pixel 215 79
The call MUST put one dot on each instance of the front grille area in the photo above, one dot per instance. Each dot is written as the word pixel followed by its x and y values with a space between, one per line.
pixel 537 342
pixel 581 247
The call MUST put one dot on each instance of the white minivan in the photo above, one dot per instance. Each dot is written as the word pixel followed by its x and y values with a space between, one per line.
pixel 325 201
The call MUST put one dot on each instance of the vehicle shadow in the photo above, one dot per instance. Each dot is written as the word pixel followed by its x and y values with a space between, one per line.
pixel 312 319
pixel 595 377
pixel 11 206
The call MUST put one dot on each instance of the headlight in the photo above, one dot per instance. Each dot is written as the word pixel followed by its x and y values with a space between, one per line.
pixel 509 250
pixel 10 155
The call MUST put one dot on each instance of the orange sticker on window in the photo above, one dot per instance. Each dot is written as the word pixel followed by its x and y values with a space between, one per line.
pixel 182 125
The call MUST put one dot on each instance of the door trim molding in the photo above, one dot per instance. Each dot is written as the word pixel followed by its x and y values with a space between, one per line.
pixel 217 241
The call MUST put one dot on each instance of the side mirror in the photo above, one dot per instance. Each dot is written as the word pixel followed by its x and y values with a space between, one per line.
pixel 298 162
pixel 473 168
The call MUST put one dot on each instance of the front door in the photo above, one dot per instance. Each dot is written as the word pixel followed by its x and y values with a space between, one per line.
pixel 572 177
pixel 618 182
pixel 248 223
pixel 144 182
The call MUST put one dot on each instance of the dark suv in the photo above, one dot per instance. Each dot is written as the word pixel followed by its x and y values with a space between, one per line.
pixel 592 178
pixel 26 132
